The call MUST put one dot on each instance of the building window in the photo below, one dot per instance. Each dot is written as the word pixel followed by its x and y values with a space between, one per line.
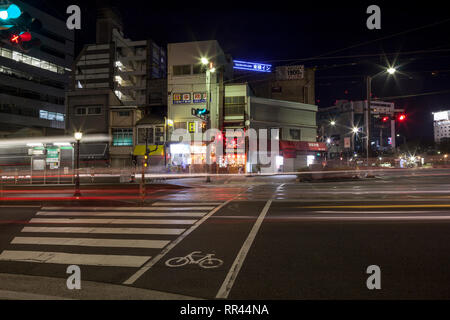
pixel 145 134
pixel 90 111
pixel 234 106
pixel 197 68
pixel 23 58
pixel 294 134
pixel 180 125
pixel 122 137
pixel 124 113
pixel 182 70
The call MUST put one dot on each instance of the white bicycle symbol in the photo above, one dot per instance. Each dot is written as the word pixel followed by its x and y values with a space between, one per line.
pixel 206 261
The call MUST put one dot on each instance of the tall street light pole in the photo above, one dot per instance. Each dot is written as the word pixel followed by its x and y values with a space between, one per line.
pixel 369 94
pixel 209 69
pixel 391 71
pixel 78 136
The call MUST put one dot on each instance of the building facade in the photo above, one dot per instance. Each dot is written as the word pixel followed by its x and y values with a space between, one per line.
pixel 338 125
pixel 33 83
pixel 115 83
pixel 441 125
pixel 233 106
pixel 289 83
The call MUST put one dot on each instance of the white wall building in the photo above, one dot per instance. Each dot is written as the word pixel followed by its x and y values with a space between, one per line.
pixel 441 125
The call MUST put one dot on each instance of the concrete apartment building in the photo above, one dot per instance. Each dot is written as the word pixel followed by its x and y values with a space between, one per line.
pixel 33 83
pixel 336 124
pixel 441 125
pixel 233 106
pixel 289 83
pixel 116 82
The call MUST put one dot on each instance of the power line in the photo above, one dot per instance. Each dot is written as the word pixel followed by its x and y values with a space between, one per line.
pixel 416 95
pixel 365 55
pixel 368 42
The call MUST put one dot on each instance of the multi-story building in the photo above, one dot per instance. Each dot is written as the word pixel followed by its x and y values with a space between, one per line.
pixel 338 125
pixel 115 83
pixel 289 83
pixel 233 106
pixel 441 125
pixel 33 83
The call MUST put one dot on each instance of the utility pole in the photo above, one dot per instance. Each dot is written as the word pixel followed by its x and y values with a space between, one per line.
pixel 208 122
pixel 369 96
pixel 144 162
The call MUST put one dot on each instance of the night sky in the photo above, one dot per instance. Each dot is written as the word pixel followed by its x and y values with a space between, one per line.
pixel 286 32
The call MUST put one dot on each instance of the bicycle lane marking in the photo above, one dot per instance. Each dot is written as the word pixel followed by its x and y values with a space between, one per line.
pixel 221 236
pixel 227 284
pixel 166 250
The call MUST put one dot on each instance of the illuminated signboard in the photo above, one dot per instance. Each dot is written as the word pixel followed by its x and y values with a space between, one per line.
pixel 200 97
pixel 252 66
pixel 179 98
pixel 440 115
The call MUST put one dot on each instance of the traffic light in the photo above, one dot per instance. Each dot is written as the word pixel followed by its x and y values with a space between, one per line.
pixel 385 119
pixel 16 27
pixel 146 161
pixel 200 113
pixel 8 14
pixel 401 117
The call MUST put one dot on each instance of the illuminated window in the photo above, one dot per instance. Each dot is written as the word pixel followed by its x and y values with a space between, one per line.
pixel 20 57
pixel 122 137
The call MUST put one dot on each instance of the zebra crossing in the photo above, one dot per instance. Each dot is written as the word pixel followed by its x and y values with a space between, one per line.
pixel 103 236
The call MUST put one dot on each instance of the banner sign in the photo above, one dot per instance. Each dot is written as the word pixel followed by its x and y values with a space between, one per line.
pixel 252 66
pixel 347 142
pixel 290 72
pixel 200 97
pixel 179 98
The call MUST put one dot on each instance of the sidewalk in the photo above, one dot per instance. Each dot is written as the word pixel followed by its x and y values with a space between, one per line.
pixel 24 287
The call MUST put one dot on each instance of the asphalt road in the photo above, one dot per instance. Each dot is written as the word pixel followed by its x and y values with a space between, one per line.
pixel 240 238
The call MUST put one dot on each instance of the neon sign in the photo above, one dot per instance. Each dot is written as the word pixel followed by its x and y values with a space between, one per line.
pixel 252 66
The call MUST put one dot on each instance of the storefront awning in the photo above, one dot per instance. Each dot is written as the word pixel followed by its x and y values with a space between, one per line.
pixel 289 148
pixel 140 150
pixel 93 150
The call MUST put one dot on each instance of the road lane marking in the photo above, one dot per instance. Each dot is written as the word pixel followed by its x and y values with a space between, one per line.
pixel 111 221
pixel 167 249
pixel 369 218
pixel 207 208
pixel 72 258
pixel 153 231
pixel 379 206
pixel 87 242
pixel 119 214
pixel 227 284
pixel 185 203
pixel 380 212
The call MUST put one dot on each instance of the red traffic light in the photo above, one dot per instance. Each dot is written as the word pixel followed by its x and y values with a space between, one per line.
pixel 385 119
pixel 23 37
pixel 402 117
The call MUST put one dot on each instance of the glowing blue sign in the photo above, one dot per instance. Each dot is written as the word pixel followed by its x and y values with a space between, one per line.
pixel 252 66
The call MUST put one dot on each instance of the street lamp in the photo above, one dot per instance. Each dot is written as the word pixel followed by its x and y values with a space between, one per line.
pixel 204 61
pixel 78 136
pixel 390 70
pixel 355 130
pixel 333 123
pixel 209 69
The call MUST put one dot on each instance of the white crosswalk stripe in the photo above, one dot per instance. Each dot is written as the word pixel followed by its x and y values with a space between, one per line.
pixel 100 236
pixel 117 213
